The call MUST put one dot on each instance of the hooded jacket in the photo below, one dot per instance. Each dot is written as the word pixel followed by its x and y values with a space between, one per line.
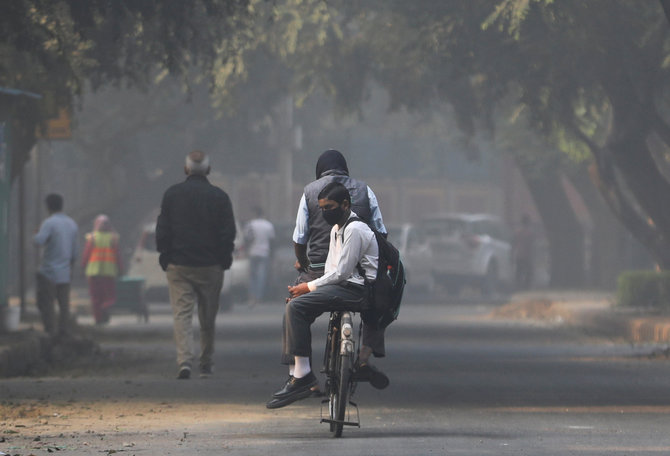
pixel 331 167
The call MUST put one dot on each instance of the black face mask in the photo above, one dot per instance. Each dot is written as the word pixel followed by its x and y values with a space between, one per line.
pixel 332 216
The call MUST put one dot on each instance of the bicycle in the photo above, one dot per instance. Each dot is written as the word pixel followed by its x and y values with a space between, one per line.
pixel 338 366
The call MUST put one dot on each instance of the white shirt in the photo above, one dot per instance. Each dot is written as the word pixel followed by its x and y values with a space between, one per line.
pixel 357 244
pixel 262 233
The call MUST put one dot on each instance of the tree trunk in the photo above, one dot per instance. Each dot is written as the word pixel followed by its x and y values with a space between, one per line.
pixel 628 176
pixel 606 259
pixel 564 233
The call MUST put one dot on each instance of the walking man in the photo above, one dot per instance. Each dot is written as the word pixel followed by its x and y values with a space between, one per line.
pixel 195 235
pixel 58 236
pixel 259 235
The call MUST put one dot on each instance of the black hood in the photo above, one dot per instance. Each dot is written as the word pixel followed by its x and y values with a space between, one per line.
pixel 331 160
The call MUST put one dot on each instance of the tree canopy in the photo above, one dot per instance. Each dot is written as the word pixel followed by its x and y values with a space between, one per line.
pixel 591 76
pixel 56 47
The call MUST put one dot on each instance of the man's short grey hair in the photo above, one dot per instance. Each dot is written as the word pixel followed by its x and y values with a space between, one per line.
pixel 197 162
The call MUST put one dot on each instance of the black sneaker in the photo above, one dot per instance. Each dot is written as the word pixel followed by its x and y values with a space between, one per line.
pixel 368 373
pixel 294 389
pixel 184 373
pixel 206 371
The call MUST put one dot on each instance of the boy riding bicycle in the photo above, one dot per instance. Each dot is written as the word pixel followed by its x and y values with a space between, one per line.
pixel 340 288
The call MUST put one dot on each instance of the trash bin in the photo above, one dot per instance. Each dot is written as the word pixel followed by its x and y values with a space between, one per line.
pixel 130 296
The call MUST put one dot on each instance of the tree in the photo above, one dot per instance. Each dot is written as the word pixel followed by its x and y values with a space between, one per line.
pixel 56 47
pixel 604 87
pixel 593 76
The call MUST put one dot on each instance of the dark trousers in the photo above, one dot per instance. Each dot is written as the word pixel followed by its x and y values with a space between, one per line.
pixel 302 311
pixel 47 292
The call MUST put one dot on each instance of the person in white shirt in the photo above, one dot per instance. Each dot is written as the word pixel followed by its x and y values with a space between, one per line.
pixel 58 237
pixel 340 288
pixel 259 235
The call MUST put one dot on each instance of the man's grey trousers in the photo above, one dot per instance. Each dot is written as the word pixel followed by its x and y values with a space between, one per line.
pixel 302 311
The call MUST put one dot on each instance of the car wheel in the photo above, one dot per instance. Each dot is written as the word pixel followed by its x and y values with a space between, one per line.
pixel 491 282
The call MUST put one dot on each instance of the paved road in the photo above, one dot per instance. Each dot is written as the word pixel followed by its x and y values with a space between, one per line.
pixel 461 384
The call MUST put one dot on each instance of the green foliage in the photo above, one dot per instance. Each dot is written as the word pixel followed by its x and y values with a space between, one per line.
pixel 644 289
pixel 57 48
pixel 510 15
pixel 288 50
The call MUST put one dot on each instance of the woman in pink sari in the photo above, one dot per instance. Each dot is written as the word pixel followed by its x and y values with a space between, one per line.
pixel 102 263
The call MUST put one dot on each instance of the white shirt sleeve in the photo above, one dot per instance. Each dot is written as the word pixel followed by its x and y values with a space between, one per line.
pixel 301 231
pixel 43 234
pixel 376 214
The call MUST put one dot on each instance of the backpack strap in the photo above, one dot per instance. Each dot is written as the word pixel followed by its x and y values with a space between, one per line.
pixel 361 271
pixel 351 219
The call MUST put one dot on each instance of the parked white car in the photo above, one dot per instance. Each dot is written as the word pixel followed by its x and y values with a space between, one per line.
pixel 144 263
pixel 416 256
pixel 469 249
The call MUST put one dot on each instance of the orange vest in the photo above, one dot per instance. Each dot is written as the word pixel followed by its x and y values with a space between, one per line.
pixel 102 261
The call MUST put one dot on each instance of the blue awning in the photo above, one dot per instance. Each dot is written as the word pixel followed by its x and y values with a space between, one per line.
pixel 17 92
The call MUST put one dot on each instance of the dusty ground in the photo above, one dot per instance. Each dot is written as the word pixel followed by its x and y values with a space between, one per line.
pixel 535 309
pixel 124 398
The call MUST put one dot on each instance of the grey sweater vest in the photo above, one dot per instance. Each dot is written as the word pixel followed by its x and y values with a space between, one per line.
pixel 319 230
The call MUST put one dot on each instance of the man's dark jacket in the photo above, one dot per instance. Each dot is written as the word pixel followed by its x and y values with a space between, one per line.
pixel 196 226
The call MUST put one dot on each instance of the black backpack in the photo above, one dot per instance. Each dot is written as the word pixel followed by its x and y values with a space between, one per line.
pixel 385 293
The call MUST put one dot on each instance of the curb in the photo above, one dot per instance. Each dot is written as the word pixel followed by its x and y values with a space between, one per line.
pixel 634 329
pixel 593 312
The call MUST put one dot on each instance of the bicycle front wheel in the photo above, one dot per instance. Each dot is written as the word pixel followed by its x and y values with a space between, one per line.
pixel 339 396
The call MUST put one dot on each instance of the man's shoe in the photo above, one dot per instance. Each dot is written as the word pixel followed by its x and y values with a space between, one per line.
pixel 206 371
pixel 368 373
pixel 184 373
pixel 284 390
pixel 294 390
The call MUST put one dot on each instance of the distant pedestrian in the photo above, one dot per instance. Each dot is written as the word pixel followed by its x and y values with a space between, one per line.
pixel 522 252
pixel 102 265
pixel 195 236
pixel 58 237
pixel 259 235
